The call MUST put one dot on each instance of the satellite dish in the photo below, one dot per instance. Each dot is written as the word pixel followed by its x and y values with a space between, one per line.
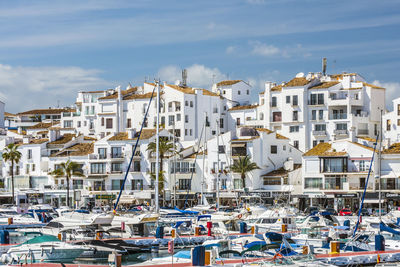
pixel 300 75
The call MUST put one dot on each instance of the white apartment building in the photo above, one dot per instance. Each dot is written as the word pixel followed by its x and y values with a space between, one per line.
pixel 391 124
pixel 267 149
pixel 312 108
pixel 334 174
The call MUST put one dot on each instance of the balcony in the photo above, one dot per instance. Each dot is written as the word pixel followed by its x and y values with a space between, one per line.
pixel 338 116
pixel 362 132
pixel 319 133
pixel 341 132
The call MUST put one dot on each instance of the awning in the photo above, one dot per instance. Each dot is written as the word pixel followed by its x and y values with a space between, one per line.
pixel 126 199
pixel 142 195
pixel 238 144
pixel 389 174
pixel 373 201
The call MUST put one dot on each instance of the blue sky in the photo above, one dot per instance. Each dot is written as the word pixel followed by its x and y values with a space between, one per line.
pixel 49 50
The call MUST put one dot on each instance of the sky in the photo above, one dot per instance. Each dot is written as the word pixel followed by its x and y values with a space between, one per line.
pixel 50 50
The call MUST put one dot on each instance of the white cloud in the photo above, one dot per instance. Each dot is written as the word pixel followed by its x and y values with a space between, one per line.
pixel 264 49
pixel 23 88
pixel 230 49
pixel 392 91
pixel 198 75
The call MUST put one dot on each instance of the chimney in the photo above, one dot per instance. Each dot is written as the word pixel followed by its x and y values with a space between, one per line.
pixel 184 78
pixel 269 85
pixel 324 66
pixel 198 91
pixel 131 133
pixel 289 164
pixel 52 135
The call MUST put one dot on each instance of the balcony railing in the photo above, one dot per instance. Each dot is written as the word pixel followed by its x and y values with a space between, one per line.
pixel 362 131
pixel 342 116
pixel 319 133
pixel 341 132
pixel 338 97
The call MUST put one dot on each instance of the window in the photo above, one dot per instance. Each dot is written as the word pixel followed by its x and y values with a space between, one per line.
pixel 238 92
pixel 170 107
pixel 79 124
pixel 261 116
pixel 313 115
pixel 116 167
pixel 186 132
pixel 178 117
pixel 116 184
pixel 274 149
pixel 162 120
pixel 191 104
pixel 85 123
pixel 33 167
pixel 295 115
pixel 295 100
pixel 29 156
pixel 273 101
pixel 186 103
pixel 178 132
pixel 284 147
pixel 362 166
pixel 321 114
pixel 99 186
pixel 137 184
pixel 316 99
pixel 398 110
pixel 272 181
pixel 129 123
pixel 184 184
pixel 314 143
pixel 98 168
pixel 102 153
pixel 334 164
pixel 116 152
pixel 320 127
pixel 288 99
pixel 171 119
pixel 186 118
pixel 191 132
pixel 276 116
pixel 341 126
pixel 109 123
pixel 223 92
pixel 237 121
pixel 312 183
pixel 136 166
pixel 221 122
pixel 296 144
pixel 398 122
pixel 221 149
pixel 102 121
pixel 237 183
pixel 153 167
pixel 77 184
pixel 294 129
pixel 67 124
pixel 388 124
pixel 248 92
pixel 183 167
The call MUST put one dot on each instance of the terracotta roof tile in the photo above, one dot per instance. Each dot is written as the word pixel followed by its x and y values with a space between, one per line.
pixel 141 96
pixel 297 82
pixel 123 93
pixel 228 82
pixel 81 149
pixel 324 85
pixel 243 107
pixel 146 134
pixel 39 141
pixel 264 130
pixel 8 114
pixel 393 149
pixel 276 88
pixel 46 111
pixel 324 150
pixel 279 136
pixel 63 140
pixel 42 125
pixel 373 86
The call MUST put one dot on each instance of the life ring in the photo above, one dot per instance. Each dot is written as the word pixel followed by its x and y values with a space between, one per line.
pixel 240 216
pixel 277 255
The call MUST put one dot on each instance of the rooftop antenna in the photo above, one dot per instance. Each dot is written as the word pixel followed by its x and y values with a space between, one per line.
pixel 184 78
pixel 324 66
pixel 58 103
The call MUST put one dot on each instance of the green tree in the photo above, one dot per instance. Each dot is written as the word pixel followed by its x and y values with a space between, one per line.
pixel 67 170
pixel 165 147
pixel 160 181
pixel 243 165
pixel 12 155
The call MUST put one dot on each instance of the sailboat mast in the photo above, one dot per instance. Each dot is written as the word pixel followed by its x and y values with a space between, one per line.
pixel 380 167
pixel 217 166
pixel 157 148
pixel 174 162
pixel 204 159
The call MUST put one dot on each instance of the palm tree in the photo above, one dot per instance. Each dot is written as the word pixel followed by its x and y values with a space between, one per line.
pixel 243 166
pixel 160 181
pixel 165 147
pixel 13 155
pixel 67 170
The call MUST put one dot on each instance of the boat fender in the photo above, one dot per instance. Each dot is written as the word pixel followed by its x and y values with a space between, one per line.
pixel 240 216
